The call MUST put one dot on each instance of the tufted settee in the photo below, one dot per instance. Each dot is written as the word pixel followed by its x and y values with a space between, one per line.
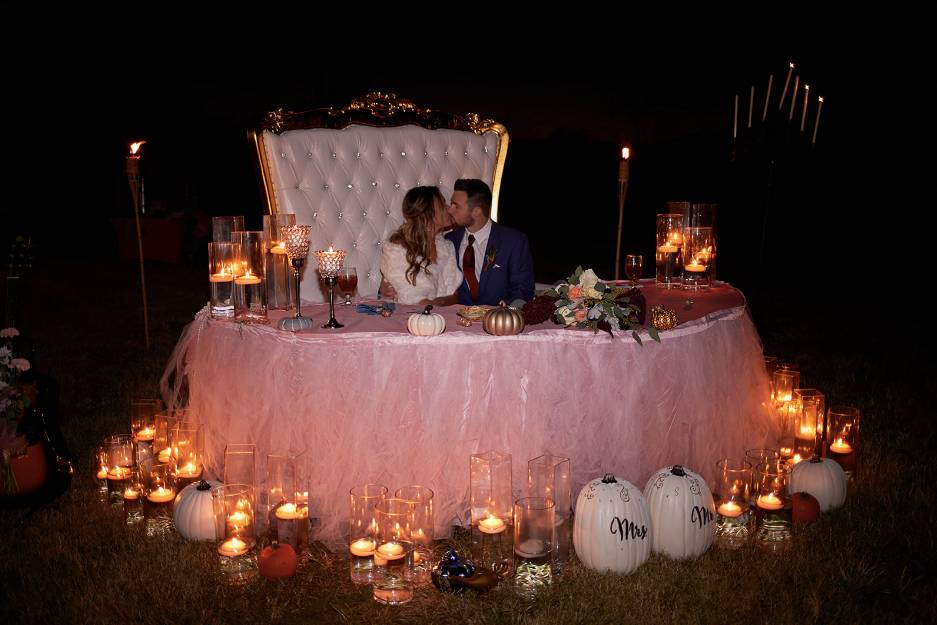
pixel 345 171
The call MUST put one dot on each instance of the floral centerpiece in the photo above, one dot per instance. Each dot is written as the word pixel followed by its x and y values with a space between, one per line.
pixel 15 399
pixel 584 301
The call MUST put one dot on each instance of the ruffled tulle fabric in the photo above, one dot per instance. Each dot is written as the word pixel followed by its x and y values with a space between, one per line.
pixel 371 403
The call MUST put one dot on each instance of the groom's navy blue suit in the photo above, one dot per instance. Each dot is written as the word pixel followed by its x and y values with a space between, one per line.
pixel 507 269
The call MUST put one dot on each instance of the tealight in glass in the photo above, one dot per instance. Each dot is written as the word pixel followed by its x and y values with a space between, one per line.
pixel 250 290
pixel 119 451
pixel 280 291
pixel 392 583
pixel 809 411
pixel 159 493
pixel 233 506
pixel 362 530
pixel 221 273
pixel 287 499
pixel 669 247
pixel 697 256
pixel 534 535
pixel 773 506
pixel 733 483
pixel 843 437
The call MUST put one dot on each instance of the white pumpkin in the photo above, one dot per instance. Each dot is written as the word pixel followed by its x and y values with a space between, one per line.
pixel 823 478
pixel 612 528
pixel 426 323
pixel 193 514
pixel 683 513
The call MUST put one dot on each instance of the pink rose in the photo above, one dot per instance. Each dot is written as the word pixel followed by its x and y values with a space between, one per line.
pixel 575 292
pixel 9 333
pixel 20 363
pixel 581 314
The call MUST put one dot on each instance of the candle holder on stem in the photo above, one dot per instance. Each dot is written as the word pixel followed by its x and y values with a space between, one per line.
pixel 330 264
pixel 297 248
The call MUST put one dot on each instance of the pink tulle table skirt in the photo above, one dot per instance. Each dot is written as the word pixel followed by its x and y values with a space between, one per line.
pixel 371 404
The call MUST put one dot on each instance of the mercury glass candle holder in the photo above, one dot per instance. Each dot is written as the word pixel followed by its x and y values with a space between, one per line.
pixel 250 290
pixel 422 531
pixel 221 272
pixel 549 476
pixel 362 530
pixel 296 242
pixel 733 500
pixel 534 536
pixel 843 437
pixel 393 557
pixel 330 264
pixel 669 258
pixel 280 292
pixel 234 512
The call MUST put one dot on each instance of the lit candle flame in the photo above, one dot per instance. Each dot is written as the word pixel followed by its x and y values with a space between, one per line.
pixel 135 147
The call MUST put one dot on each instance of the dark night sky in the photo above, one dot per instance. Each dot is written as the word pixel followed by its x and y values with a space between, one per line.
pixel 567 117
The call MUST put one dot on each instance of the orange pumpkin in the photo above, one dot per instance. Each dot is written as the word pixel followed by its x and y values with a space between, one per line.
pixel 277 561
pixel 806 508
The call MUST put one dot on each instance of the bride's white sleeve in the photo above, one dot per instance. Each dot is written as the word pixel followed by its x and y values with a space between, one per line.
pixel 394 269
pixel 451 278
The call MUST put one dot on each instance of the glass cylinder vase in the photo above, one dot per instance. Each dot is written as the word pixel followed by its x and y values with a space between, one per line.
pixel 224 227
pixel 279 282
pixel 221 273
pixel 733 484
pixel 250 291
pixel 843 437
pixel 534 535
pixel 362 530
pixel 669 247
pixel 234 512
pixel 393 557
pixel 548 477
pixel 422 531
pixel 159 493
pixel 119 451
pixel 697 256
pixel 773 506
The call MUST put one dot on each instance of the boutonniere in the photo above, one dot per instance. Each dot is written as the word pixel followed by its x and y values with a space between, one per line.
pixel 490 259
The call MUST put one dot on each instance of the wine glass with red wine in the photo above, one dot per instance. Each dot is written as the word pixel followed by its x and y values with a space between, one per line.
pixel 634 265
pixel 348 282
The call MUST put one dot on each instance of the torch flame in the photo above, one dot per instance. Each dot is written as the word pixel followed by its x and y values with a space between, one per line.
pixel 135 147
pixel 626 153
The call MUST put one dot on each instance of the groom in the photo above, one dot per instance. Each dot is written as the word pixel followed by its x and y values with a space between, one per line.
pixel 495 260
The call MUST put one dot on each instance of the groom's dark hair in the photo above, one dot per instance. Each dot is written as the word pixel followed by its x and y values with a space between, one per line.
pixel 479 194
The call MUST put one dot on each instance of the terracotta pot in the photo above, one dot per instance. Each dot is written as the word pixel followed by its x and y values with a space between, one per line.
pixel 30 470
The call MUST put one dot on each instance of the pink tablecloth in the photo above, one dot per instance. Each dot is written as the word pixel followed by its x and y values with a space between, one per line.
pixel 370 403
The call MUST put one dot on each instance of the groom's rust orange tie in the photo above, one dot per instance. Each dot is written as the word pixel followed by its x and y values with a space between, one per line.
pixel 468 267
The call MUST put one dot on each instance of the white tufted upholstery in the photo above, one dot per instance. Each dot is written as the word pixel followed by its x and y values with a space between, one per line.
pixel 349 184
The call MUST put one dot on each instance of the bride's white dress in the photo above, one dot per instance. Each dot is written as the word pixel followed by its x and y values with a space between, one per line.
pixel 438 279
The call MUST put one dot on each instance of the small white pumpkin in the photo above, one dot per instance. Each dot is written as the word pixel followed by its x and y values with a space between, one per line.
pixel 426 323
pixel 612 528
pixel 683 513
pixel 823 478
pixel 193 514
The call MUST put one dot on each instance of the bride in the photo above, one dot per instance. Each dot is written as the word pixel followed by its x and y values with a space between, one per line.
pixel 417 261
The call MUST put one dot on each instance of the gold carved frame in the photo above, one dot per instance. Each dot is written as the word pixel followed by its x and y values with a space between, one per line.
pixel 379 110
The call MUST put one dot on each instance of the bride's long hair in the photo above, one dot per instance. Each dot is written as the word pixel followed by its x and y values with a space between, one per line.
pixel 418 231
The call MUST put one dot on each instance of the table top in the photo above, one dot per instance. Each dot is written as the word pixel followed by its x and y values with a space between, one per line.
pixel 689 306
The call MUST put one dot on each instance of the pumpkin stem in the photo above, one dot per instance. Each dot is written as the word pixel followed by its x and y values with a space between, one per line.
pixel 428 308
pixel 202 485
pixel 815 459
pixel 503 304
pixel 678 471
pixel 609 479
